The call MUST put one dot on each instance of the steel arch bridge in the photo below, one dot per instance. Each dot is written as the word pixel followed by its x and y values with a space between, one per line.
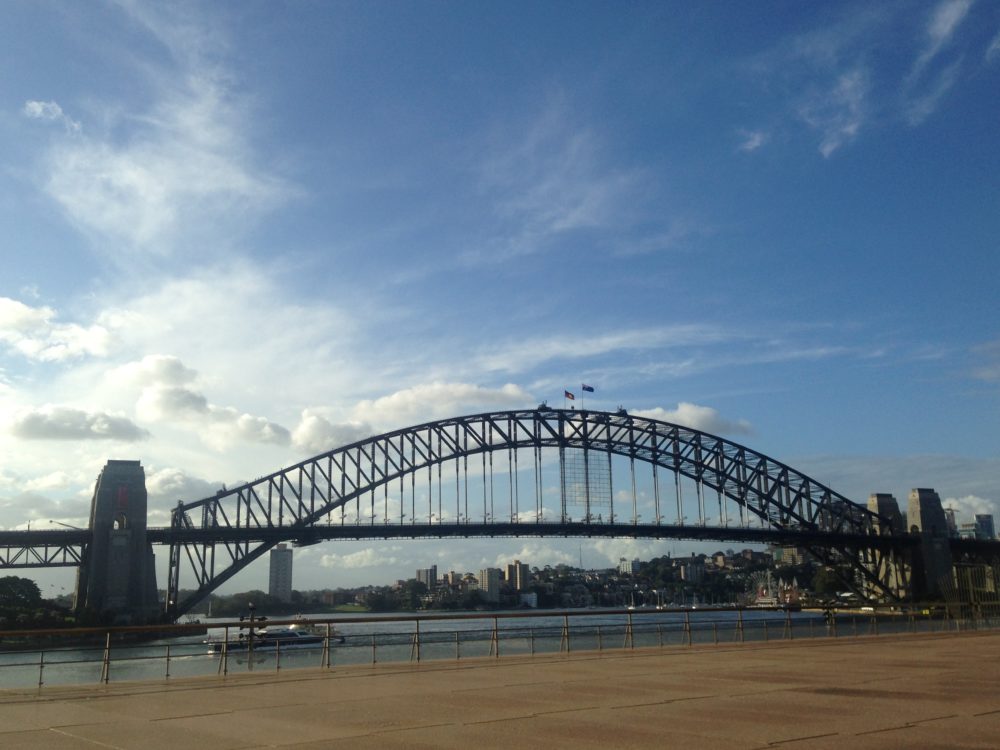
pixel 419 481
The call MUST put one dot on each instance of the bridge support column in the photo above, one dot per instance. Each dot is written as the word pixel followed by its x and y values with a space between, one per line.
pixel 117 579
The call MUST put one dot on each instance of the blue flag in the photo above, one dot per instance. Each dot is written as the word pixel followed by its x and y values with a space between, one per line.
pixel 588 388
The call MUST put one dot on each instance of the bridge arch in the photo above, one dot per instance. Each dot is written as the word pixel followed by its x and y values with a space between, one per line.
pixel 220 535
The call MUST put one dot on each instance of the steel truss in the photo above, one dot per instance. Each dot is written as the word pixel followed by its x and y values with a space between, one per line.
pixel 43 548
pixel 220 535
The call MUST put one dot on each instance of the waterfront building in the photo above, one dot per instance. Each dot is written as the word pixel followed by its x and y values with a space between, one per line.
pixel 969 530
pixel 949 518
pixel 984 521
pixel 428 577
pixel 489 584
pixel 280 579
pixel 628 567
pixel 517 575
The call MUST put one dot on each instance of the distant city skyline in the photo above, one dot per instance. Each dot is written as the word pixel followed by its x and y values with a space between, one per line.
pixel 238 235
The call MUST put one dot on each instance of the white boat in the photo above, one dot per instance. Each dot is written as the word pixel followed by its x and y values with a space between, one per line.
pixel 275 638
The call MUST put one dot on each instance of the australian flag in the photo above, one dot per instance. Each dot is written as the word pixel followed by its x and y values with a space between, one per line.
pixel 587 388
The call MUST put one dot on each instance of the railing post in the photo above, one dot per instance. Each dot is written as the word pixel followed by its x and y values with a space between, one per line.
pixel 458 647
pixel 874 624
pixel 373 648
pixel 325 656
pixel 659 634
pixel 739 625
pixel 495 640
pixel 788 626
pixel 41 668
pixel 564 644
pixel 531 634
pixel 277 656
pixel 629 640
pixel 687 627
pixel 854 624
pixel 715 633
pixel 168 662
pixel 600 640
pixel 415 646
pixel 766 635
pixel 106 661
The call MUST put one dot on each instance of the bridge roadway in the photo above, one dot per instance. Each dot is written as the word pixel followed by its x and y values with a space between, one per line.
pixel 64 547
pixel 907 691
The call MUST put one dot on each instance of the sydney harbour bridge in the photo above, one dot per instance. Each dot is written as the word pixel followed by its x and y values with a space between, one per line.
pixel 540 472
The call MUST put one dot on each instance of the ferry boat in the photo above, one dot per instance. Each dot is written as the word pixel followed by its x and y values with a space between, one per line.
pixel 274 638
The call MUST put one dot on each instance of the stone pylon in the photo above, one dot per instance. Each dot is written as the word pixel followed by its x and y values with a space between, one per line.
pixel 117 580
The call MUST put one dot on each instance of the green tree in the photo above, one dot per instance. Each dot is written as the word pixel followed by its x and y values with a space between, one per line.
pixel 19 593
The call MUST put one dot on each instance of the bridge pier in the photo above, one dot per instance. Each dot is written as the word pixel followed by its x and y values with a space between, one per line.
pixel 116 580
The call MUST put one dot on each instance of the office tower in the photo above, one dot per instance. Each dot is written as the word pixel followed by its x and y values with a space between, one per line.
pixel 984 523
pixel 280 581
pixel 489 584
pixel 428 577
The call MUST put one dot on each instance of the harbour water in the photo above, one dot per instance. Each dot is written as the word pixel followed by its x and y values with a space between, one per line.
pixel 402 637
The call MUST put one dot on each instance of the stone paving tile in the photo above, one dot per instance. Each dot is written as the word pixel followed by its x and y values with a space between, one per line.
pixel 822 695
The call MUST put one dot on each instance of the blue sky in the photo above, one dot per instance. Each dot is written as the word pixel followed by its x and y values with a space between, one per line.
pixel 239 234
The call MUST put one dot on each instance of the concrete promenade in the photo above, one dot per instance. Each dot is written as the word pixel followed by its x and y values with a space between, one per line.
pixel 908 691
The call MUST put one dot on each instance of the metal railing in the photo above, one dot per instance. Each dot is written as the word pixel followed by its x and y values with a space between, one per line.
pixel 35 658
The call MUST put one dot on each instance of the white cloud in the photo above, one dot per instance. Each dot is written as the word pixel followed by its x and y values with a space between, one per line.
pixel 703 418
pixel 168 485
pixel 923 89
pixel 34 333
pixel 993 49
pixel 154 369
pixel 921 105
pixel 50 111
pixel 316 434
pixel 837 113
pixel 222 424
pixel 57 480
pixel 434 400
pixel 371 557
pixel 751 140
pixel 549 178
pixel 945 19
pixel 176 177
pixel 988 367
pixel 67 423
pixel 528 353
pixel 967 507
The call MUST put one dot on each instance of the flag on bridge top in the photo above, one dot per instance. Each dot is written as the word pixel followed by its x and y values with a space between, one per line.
pixel 587 388
pixel 568 395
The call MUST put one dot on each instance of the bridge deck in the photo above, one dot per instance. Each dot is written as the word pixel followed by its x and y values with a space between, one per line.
pixel 908 691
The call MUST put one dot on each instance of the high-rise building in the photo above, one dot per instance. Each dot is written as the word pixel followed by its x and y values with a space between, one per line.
pixel 949 518
pixel 428 577
pixel 489 584
pixel 628 567
pixel 280 581
pixel 984 522
pixel 517 575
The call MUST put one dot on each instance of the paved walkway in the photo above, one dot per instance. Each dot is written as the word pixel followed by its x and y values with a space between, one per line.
pixel 920 691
